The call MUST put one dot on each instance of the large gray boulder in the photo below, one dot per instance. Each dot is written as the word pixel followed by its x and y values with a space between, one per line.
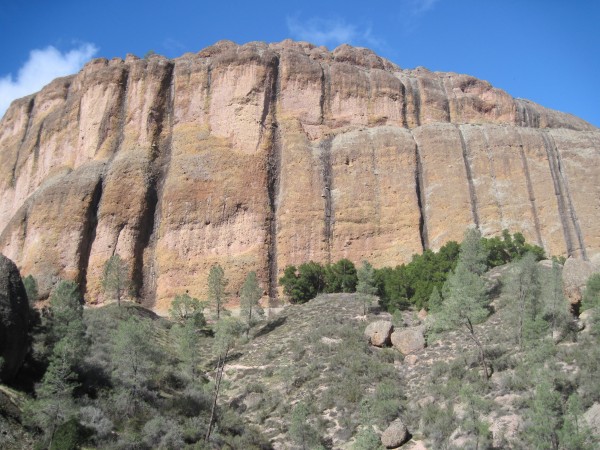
pixel 395 435
pixel 378 332
pixel 408 340
pixel 14 319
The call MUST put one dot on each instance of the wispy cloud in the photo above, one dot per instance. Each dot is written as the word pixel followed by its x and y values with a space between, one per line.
pixel 42 67
pixel 419 7
pixel 332 32
pixel 412 12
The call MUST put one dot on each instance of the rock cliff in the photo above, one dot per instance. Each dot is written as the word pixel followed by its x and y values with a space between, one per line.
pixel 263 155
pixel 14 320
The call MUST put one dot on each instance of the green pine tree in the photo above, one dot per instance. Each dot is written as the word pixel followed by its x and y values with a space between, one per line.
pixel 250 295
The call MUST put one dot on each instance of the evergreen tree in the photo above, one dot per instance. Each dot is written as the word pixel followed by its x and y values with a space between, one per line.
pixel 435 301
pixel 31 288
pixel 301 431
pixel 556 306
pixel 544 416
pixel 465 301
pixel 575 433
pixel 115 278
pixel 250 295
pixel 133 360
pixel 473 253
pixel 66 313
pixel 366 284
pixel 216 288
pixel 523 290
pixel 185 308
pixel 54 402
pixel 226 333
pixel 188 341
pixel 472 422
pixel 591 295
pixel 303 283
pixel 340 277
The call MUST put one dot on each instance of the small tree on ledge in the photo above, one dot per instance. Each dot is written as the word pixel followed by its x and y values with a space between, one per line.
pixel 115 278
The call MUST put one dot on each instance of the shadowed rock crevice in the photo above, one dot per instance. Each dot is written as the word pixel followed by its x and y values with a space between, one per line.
pixel 36 145
pixel 531 193
pixel 377 187
pixel 90 222
pixel 325 98
pixel 28 112
pixel 322 97
pixel 404 106
pixel 493 175
pixel 526 116
pixel 145 272
pixel 107 124
pixel 417 99
pixel 421 199
pixel 558 191
pixel 273 177
pixel 569 201
pixel 122 111
pixel 327 180
pixel 471 184
pixel 448 101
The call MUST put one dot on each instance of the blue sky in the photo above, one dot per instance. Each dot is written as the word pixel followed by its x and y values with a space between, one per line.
pixel 547 51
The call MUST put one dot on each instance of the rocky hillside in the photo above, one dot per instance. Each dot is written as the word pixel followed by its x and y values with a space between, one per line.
pixel 264 155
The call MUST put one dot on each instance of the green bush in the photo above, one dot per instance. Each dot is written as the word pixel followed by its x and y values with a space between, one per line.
pixel 412 284
pixel 68 436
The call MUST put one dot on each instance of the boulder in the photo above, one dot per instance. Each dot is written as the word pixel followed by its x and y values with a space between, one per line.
pixel 592 417
pixel 14 319
pixel 395 435
pixel 575 274
pixel 408 340
pixel 586 319
pixel 378 333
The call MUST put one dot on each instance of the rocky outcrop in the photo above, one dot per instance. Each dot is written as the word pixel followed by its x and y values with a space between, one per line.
pixel 378 333
pixel 263 155
pixel 592 417
pixel 14 319
pixel 408 340
pixel 395 434
pixel 575 274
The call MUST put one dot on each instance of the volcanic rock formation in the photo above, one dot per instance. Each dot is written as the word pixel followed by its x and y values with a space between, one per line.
pixel 14 320
pixel 263 155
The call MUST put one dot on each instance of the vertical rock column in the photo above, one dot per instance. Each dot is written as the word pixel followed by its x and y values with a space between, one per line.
pixel 126 211
pixel 216 207
pixel 374 196
pixel 447 199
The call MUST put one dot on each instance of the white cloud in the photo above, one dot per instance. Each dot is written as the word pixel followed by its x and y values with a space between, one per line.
pixel 43 66
pixel 418 7
pixel 331 32
pixel 412 11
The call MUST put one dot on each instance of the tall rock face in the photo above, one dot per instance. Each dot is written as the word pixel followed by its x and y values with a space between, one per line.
pixel 14 320
pixel 264 155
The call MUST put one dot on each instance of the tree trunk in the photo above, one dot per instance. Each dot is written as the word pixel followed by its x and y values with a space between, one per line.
pixel 482 360
pixel 218 378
